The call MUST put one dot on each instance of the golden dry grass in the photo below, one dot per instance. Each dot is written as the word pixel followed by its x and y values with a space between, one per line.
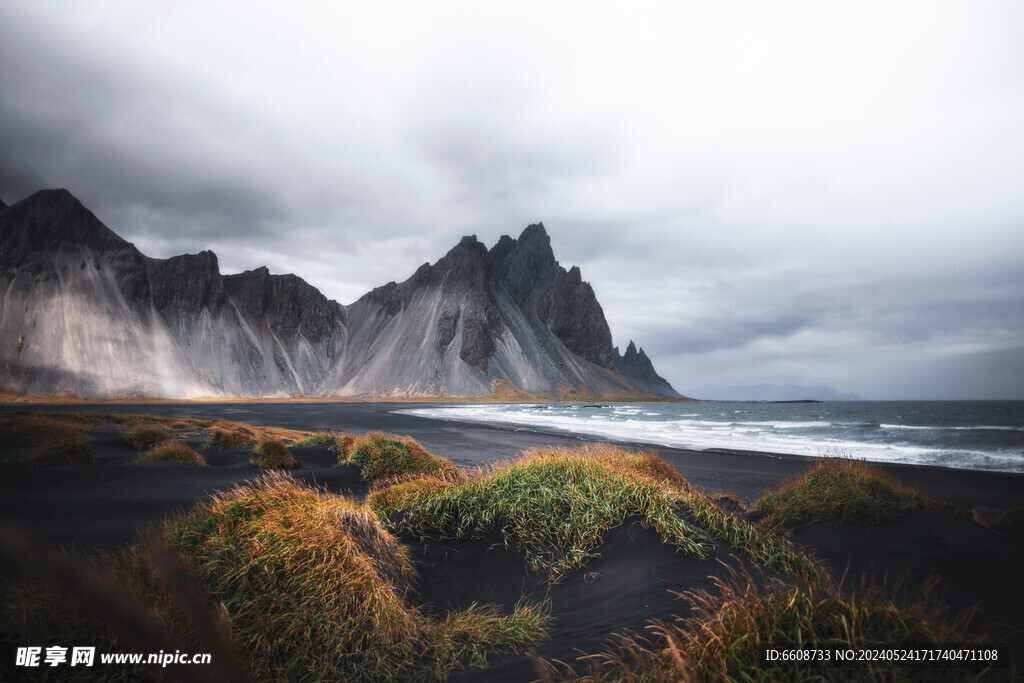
pixel 731 627
pixel 850 491
pixel 173 451
pixel 272 454
pixel 381 456
pixel 147 437
pixel 39 432
pixel 317 588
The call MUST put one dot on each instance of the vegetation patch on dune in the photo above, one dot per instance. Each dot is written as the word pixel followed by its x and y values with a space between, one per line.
pixel 54 442
pixel 173 451
pixel 226 440
pixel 731 628
pixel 64 455
pixel 556 505
pixel 272 454
pixel 40 432
pixel 147 437
pixel 317 589
pixel 850 491
pixel 393 495
pixel 296 583
pixel 315 440
pixel 380 456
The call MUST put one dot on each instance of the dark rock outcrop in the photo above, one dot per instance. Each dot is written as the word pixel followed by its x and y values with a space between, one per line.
pixel 189 283
pixel 559 299
pixel 638 369
pixel 290 305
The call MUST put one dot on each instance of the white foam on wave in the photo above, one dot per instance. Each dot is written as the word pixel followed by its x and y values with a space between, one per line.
pixel 912 428
pixel 760 436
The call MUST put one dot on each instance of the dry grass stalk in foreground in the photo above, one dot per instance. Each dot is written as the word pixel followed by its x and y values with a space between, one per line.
pixel 732 626
pixel 556 505
pixel 850 491
pixel 143 599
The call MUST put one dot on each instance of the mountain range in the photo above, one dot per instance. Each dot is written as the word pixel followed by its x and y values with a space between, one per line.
pixel 84 313
pixel 774 392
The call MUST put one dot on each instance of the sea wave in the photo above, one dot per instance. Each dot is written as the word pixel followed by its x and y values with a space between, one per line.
pixel 736 431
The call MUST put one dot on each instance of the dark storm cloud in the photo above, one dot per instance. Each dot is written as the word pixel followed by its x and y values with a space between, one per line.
pixel 141 150
pixel 750 199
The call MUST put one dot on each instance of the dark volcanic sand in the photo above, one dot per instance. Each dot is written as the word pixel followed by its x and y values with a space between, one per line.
pixel 101 507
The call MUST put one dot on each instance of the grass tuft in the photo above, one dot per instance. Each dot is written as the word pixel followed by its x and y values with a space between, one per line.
pixel 173 451
pixel 391 496
pixel 556 505
pixel 42 432
pixel 225 440
pixel 273 454
pixel 147 437
pixel 315 440
pixel 379 456
pixel 850 491
pixel 731 627
pixel 63 455
pixel 317 589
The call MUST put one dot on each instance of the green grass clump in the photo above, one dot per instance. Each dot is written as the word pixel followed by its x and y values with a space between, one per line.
pixel 846 490
pixel 274 455
pixel 63 455
pixel 317 589
pixel 394 496
pixel 226 440
pixel 173 451
pixel 315 440
pixel 555 506
pixel 730 628
pixel 379 456
pixel 147 437
pixel 342 446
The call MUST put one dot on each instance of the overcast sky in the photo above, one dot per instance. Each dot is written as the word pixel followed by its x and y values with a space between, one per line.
pixel 758 192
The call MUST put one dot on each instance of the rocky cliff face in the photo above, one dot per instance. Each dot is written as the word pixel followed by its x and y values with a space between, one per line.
pixel 85 313
pixel 638 369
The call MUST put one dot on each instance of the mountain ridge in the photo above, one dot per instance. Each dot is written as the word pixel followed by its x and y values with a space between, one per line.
pixel 129 325
pixel 775 392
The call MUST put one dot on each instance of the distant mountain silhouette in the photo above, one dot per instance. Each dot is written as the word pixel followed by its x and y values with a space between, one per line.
pixel 85 313
pixel 773 392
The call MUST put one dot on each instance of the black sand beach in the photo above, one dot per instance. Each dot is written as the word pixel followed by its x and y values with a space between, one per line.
pixel 622 590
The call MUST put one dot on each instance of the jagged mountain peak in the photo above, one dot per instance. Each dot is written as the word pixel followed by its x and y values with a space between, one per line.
pixel 49 219
pixel 637 368
pixel 534 232
pixel 130 325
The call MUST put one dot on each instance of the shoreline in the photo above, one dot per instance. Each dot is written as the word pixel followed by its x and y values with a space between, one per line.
pixel 470 444
pixel 630 581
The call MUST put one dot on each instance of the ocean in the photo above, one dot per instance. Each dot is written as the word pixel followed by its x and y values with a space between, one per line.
pixel 977 435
